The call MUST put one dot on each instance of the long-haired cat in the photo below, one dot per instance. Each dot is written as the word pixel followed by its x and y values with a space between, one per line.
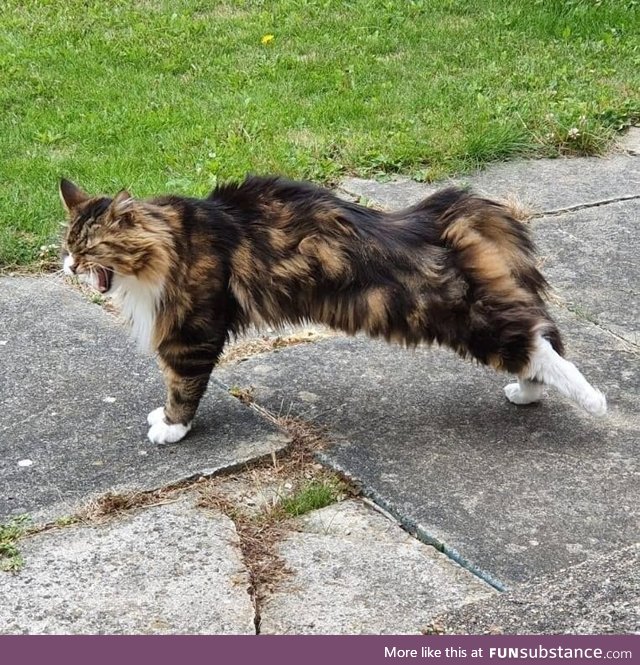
pixel 455 269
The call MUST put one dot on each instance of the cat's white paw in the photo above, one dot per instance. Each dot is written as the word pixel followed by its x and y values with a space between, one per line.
pixel 517 395
pixel 595 403
pixel 161 432
pixel 156 416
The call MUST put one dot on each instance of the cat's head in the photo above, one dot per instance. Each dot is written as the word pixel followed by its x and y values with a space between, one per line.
pixel 111 238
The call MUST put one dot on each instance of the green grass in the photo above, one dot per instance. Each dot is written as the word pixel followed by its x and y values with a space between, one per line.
pixel 159 95
pixel 312 495
pixel 10 558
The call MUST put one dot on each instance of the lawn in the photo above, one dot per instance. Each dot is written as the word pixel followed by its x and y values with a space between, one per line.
pixel 160 96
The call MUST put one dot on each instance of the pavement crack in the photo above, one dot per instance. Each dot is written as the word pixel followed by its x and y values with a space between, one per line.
pixel 416 530
pixel 258 535
pixel 263 499
pixel 579 313
pixel 300 430
pixel 583 206
pixel 632 347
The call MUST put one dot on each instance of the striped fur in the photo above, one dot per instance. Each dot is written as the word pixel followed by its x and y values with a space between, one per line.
pixel 455 269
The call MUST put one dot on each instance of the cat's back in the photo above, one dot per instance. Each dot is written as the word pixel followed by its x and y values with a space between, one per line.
pixel 299 207
pixel 271 196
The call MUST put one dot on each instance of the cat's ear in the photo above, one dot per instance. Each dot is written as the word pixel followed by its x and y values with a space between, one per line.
pixel 121 208
pixel 71 195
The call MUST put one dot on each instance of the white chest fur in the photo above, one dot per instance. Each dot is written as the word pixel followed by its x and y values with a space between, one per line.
pixel 139 302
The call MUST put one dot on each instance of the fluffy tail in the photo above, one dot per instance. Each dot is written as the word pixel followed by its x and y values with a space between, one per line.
pixel 468 221
pixel 496 253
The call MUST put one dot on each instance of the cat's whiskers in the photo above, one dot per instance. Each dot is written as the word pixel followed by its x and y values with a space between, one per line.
pixel 57 275
pixel 61 276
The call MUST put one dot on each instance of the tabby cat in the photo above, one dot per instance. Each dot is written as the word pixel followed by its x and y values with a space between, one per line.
pixel 455 269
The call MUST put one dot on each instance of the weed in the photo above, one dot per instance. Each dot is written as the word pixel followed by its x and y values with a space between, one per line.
pixel 111 504
pixel 575 136
pixel 66 520
pixel 583 313
pixel 436 627
pixel 10 558
pixel 251 347
pixel 245 395
pixel 312 495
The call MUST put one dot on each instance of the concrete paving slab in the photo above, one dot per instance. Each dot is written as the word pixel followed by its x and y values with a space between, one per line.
pixel 591 258
pixel 74 395
pixel 544 184
pixel 356 572
pixel 594 598
pixel 515 491
pixel 630 141
pixel 123 578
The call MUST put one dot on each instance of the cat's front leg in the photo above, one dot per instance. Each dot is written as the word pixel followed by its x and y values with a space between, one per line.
pixel 161 431
pixel 171 422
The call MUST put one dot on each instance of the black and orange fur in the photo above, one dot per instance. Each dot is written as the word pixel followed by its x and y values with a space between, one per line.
pixel 455 269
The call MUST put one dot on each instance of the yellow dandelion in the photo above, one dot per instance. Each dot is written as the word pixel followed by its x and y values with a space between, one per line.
pixel 267 39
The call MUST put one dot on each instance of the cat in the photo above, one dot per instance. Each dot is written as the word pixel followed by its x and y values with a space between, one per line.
pixel 455 269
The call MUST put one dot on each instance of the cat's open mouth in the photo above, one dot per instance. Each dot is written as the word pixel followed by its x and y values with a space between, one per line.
pixel 103 279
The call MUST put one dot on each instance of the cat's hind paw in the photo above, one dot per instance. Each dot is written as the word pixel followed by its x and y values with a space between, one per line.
pixel 523 393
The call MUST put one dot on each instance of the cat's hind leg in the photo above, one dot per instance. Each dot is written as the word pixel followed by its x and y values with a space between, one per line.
pixel 548 367
pixel 524 391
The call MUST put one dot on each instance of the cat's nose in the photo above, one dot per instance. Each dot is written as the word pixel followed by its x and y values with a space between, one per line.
pixel 69 265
